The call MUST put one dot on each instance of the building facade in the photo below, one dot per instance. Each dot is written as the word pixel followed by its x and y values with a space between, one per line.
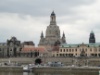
pixel 52 34
pixel 79 50
pixel 52 44
pixel 13 47
pixel 3 50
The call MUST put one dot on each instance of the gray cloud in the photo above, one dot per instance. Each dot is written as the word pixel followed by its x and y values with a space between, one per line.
pixel 41 8
pixel 25 19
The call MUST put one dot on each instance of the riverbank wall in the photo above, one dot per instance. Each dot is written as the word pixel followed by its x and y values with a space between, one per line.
pixel 45 60
pixel 61 70
pixel 12 69
pixel 66 70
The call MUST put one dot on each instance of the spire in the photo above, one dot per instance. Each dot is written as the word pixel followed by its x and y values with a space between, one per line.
pixel 63 38
pixel 53 19
pixel 92 37
pixel 63 35
pixel 42 36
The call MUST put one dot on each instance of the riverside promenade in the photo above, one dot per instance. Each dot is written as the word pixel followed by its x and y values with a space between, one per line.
pixel 67 61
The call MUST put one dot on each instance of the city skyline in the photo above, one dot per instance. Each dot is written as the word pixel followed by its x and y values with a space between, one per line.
pixel 26 19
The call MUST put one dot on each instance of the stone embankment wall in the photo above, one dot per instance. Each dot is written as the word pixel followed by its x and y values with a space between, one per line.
pixel 66 70
pixel 66 61
pixel 12 69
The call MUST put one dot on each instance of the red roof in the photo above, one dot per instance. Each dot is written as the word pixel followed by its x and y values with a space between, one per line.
pixel 29 49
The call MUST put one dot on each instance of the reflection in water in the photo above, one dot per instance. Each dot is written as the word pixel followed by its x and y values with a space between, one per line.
pixel 27 73
pixel 11 73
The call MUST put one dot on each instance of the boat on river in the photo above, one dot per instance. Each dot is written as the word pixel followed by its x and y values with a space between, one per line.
pixel 28 68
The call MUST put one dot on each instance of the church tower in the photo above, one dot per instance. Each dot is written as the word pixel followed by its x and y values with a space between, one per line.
pixel 53 19
pixel 92 37
pixel 52 36
pixel 63 38
pixel 42 39
pixel 42 36
pixel 53 30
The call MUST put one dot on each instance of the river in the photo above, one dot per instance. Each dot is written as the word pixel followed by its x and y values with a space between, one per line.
pixel 26 73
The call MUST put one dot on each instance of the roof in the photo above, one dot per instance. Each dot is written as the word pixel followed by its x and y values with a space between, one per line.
pixel 77 45
pixel 3 44
pixel 31 49
pixel 92 32
pixel 28 43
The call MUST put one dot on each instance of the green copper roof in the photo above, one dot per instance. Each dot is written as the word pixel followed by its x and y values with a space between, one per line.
pixel 92 32
pixel 77 45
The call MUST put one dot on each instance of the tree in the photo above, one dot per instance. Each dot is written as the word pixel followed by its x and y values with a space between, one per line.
pixel 38 61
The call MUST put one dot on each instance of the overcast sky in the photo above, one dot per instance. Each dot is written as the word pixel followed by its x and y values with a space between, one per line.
pixel 25 19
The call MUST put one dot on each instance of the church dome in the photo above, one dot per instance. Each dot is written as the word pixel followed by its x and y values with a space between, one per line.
pixel 92 32
pixel 53 14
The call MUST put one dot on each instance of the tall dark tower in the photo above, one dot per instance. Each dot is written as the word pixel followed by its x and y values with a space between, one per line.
pixel 63 38
pixel 92 37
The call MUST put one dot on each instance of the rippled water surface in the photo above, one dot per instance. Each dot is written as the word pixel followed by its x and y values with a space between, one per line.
pixel 26 73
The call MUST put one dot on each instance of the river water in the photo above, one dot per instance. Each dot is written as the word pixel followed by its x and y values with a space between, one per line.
pixel 26 73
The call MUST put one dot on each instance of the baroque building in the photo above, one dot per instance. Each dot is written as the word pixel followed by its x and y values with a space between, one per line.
pixel 79 50
pixel 52 34
pixel 13 47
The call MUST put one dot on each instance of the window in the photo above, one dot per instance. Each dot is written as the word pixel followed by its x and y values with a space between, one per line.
pixel 75 49
pixel 69 50
pixel 66 50
pixel 72 50
pixel 90 49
